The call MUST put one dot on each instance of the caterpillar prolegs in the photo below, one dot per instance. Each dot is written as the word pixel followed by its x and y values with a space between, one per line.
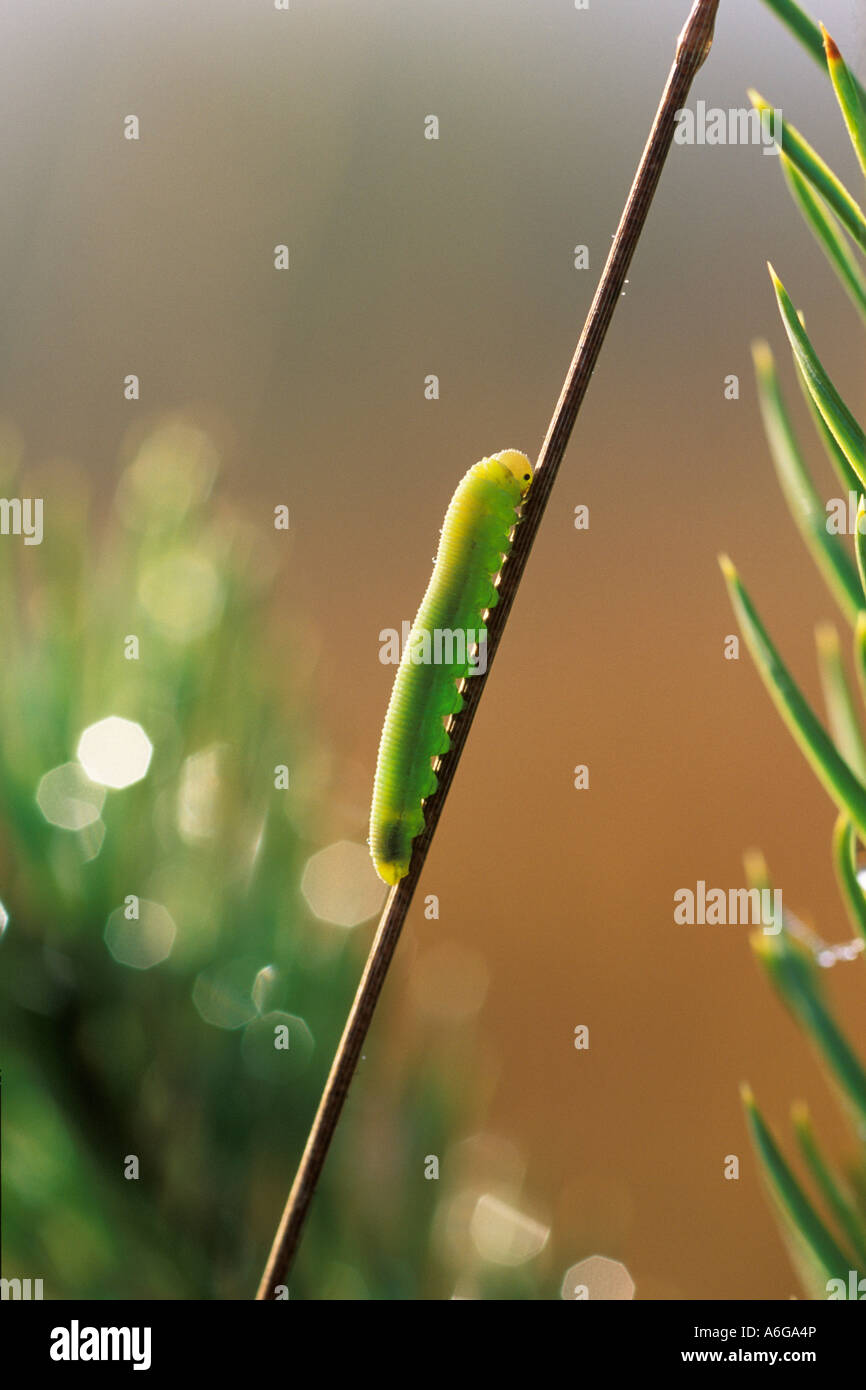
pixel 476 538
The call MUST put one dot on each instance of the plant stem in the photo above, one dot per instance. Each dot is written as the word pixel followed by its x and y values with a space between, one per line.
pixel 692 49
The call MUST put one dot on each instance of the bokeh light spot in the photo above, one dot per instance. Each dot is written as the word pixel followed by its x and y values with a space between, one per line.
pixel 140 942
pixel 503 1235
pixel 263 986
pixel 68 798
pixel 115 752
pixel 449 982
pixel 183 594
pixel 171 473
pixel 341 885
pixel 90 840
pixel 223 994
pixel 4 919
pixel 198 797
pixel 598 1278
pixel 276 1046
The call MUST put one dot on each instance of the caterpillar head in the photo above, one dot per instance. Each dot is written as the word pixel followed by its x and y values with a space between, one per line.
pixel 518 465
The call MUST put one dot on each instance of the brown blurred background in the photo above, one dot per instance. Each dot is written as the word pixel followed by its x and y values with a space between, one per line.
pixel 454 257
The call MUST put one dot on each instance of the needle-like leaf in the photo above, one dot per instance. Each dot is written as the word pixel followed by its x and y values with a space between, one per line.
pixel 860 649
pixel 845 789
pixel 845 864
pixel 838 700
pixel 828 233
pixel 813 168
pixel 860 544
pixel 837 456
pixel 794 975
pixel 848 95
pixel 835 412
pixel 816 1252
pixel 809 513
pixel 804 28
pixel 831 1188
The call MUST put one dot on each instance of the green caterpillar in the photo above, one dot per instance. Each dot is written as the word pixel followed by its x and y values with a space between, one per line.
pixel 476 537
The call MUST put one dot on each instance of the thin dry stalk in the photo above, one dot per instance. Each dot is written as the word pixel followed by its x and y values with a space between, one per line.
pixel 692 49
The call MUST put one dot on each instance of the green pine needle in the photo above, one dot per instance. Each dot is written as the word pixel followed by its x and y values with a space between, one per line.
pixel 839 702
pixel 795 976
pixel 828 233
pixel 860 546
pixel 841 784
pixel 804 28
pixel 848 94
pixel 804 503
pixel 845 864
pixel 815 1250
pixel 813 168
pixel 860 641
pixel 837 457
pixel 834 411
pixel 838 1200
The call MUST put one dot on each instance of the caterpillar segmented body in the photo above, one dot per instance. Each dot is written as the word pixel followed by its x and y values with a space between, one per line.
pixel 476 537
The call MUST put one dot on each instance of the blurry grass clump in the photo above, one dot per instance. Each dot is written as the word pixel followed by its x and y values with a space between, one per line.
pixel 822 1212
pixel 156 936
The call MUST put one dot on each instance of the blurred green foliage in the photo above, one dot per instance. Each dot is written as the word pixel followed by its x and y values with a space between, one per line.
pixel 102 1060
pixel 175 1063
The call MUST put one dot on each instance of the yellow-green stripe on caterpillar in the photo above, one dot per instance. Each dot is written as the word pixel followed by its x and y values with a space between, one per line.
pixel 476 537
